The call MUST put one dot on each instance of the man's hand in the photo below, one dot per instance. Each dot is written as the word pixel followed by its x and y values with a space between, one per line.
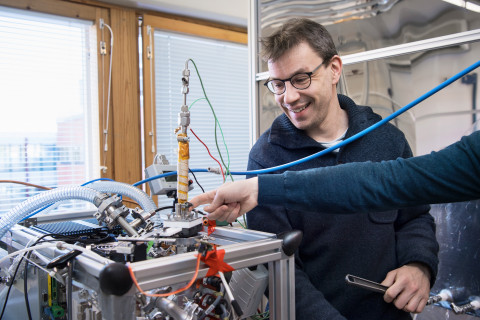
pixel 409 287
pixel 229 201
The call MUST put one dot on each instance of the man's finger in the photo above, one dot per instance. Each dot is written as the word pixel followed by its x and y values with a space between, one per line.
pixel 389 279
pixel 234 212
pixel 421 305
pixel 219 213
pixel 203 198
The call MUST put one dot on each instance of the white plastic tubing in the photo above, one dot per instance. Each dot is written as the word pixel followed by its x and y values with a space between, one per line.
pixel 143 199
pixel 89 193
pixel 43 199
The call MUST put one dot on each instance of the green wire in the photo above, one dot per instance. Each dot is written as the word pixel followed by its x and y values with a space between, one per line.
pixel 191 105
pixel 244 225
pixel 227 167
pixel 216 123
pixel 216 120
pixel 261 316
pixel 241 223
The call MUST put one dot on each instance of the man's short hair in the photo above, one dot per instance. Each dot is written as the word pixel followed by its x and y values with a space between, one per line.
pixel 292 33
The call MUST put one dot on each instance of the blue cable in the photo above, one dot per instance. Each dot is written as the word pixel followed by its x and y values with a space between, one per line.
pixel 94 180
pixel 171 173
pixel 99 179
pixel 367 130
pixel 346 141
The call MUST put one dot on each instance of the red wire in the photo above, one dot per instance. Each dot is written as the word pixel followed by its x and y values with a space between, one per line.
pixel 223 175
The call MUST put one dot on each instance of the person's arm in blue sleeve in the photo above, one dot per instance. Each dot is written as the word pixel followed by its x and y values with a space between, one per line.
pixel 449 175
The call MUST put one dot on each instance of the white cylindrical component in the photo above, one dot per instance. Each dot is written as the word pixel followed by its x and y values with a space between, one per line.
pixel 182 180
pixel 143 199
pixel 475 304
pixel 43 199
pixel 446 295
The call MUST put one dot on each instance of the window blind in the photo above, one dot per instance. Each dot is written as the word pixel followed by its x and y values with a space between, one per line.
pixel 48 85
pixel 223 68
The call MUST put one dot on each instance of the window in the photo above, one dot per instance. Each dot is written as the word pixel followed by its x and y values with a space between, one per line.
pixel 223 68
pixel 49 101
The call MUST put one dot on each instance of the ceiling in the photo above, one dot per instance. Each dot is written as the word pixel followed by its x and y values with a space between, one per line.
pixel 236 12
pixel 233 12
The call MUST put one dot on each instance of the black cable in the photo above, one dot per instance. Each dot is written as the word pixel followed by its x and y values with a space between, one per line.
pixel 25 272
pixel 25 287
pixel 193 174
pixel 57 237
pixel 164 208
pixel 201 212
pixel 10 288
pixel 15 275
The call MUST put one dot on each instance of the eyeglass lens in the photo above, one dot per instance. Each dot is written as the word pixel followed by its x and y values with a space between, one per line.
pixel 299 81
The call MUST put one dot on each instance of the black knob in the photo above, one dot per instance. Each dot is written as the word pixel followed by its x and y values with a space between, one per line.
pixel 115 279
pixel 291 241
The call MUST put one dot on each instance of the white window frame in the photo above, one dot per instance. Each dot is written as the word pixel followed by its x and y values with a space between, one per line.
pixel 87 99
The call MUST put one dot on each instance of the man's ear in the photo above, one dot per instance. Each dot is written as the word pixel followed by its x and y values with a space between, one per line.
pixel 335 66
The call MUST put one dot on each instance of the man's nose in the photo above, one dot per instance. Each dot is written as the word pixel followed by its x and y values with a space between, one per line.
pixel 291 93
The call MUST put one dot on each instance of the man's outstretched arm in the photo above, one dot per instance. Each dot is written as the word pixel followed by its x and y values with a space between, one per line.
pixel 229 201
pixel 449 175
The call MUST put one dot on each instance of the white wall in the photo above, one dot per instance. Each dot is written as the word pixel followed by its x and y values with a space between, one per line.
pixel 233 12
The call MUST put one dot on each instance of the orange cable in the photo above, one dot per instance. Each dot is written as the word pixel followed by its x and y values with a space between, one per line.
pixel 130 201
pixel 223 175
pixel 132 275
pixel 26 184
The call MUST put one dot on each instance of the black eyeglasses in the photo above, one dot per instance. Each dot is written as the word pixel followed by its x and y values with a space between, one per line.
pixel 299 81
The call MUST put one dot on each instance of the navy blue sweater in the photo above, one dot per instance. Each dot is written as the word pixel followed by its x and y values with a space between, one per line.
pixel 369 244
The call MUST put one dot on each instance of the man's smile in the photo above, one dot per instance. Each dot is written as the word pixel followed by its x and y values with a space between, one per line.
pixel 298 110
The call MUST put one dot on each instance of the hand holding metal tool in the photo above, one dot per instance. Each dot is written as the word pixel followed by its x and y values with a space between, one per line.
pixel 371 285
pixel 366 284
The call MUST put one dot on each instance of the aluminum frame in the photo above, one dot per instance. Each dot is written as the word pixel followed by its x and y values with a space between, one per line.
pixel 243 248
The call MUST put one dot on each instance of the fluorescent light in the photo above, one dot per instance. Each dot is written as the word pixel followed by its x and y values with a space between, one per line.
pixel 460 3
pixel 465 4
pixel 473 7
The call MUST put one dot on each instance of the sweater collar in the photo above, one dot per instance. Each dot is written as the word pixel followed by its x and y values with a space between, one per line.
pixel 285 134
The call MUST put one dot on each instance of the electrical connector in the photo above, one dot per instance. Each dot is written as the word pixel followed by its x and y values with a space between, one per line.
pixel 214 170
pixel 473 305
pixel 204 247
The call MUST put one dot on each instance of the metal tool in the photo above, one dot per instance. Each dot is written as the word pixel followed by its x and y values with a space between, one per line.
pixel 366 284
pixel 373 286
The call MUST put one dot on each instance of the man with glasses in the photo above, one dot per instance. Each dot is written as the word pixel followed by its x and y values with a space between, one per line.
pixel 399 250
